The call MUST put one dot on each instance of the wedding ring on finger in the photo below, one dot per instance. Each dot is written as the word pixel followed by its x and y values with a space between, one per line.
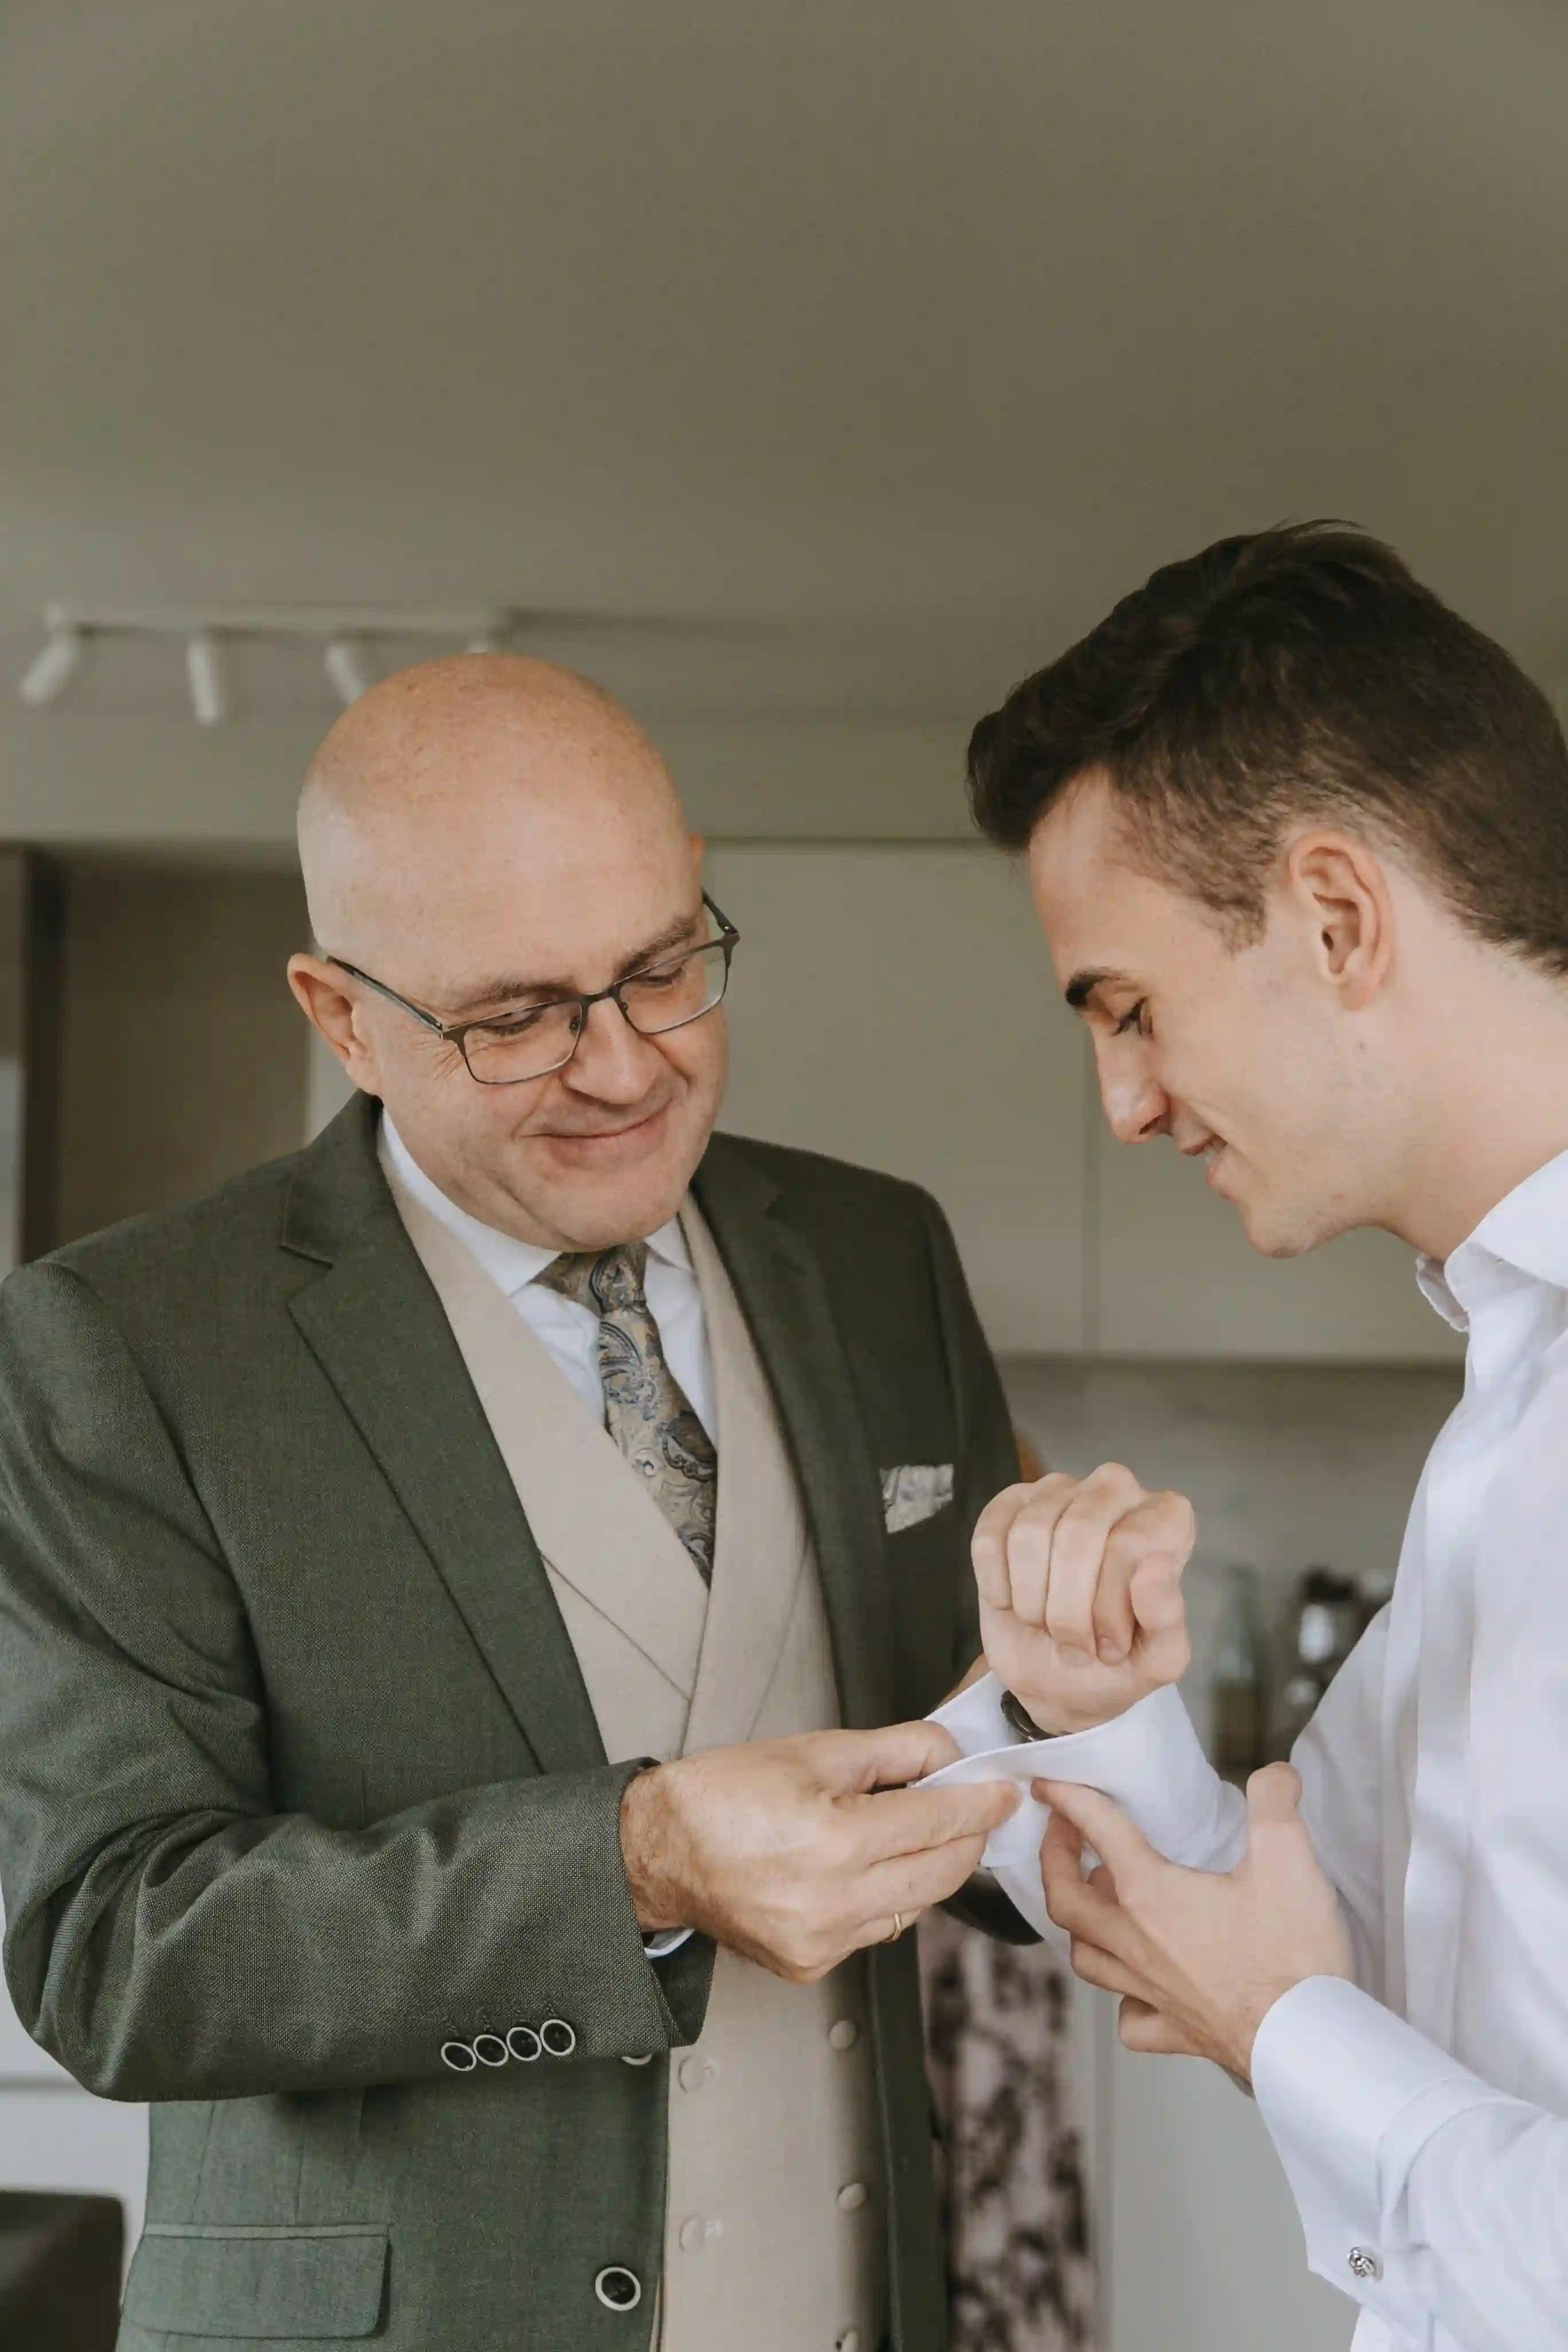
pixel 897 1929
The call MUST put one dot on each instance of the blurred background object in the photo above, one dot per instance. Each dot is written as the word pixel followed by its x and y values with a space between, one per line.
pixel 60 2260
pixel 807 375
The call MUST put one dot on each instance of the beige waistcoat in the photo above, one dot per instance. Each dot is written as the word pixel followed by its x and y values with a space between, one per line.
pixel 776 2235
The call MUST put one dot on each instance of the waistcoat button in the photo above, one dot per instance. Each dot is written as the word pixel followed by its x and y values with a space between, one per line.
pixel 852 2197
pixel 844 2035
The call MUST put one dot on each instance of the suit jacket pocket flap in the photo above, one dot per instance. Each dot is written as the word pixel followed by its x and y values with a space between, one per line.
pixel 303 2285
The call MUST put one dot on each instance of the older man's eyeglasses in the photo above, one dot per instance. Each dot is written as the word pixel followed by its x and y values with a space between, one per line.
pixel 520 1042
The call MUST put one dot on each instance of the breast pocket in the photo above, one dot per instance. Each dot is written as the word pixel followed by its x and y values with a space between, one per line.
pixel 290 2286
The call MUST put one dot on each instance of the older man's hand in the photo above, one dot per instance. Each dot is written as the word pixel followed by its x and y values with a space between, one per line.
pixel 1199 1957
pixel 1081 1612
pixel 796 1853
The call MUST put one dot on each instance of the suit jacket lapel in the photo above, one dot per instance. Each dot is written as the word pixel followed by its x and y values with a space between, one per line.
pixel 783 1295
pixel 377 1327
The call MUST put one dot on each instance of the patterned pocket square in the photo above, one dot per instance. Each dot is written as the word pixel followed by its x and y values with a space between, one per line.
pixel 915 1491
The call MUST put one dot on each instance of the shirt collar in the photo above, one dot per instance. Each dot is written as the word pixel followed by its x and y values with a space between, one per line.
pixel 512 1265
pixel 1527 1233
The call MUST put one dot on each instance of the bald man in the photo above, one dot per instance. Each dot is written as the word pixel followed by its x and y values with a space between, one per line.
pixel 454 1581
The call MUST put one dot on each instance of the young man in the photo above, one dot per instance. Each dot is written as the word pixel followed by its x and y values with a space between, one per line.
pixel 1298 837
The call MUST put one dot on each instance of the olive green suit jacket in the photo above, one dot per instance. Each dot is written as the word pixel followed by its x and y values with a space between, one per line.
pixel 298 1778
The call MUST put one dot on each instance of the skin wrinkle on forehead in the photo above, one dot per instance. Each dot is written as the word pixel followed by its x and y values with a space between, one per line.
pixel 423 762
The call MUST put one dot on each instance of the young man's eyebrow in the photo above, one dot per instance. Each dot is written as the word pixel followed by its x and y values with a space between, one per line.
pixel 1082 985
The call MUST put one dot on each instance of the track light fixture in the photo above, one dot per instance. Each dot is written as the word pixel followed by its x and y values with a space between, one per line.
pixel 209 688
pixel 347 668
pixel 54 666
pixel 338 634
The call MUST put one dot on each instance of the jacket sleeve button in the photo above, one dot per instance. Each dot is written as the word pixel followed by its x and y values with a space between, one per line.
pixel 559 2040
pixel 458 2056
pixel 645 2060
pixel 523 2043
pixel 491 2049
pixel 618 2289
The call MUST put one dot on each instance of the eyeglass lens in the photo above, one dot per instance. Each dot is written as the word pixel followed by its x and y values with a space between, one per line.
pixel 529 1044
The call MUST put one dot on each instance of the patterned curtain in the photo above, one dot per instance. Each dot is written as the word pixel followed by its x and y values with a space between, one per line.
pixel 1011 2168
pixel 1010 2157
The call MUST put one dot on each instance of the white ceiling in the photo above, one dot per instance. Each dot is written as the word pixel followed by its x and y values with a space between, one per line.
pixel 890 340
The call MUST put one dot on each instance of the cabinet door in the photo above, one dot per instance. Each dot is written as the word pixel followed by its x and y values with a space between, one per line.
pixel 1206 2252
pixel 1175 1276
pixel 894 1006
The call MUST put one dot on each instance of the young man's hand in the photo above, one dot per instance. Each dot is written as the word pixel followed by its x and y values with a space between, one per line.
pixel 1081 1612
pixel 1199 1957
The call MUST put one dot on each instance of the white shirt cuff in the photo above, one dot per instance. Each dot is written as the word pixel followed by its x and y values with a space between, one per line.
pixel 1349 2094
pixel 1148 1760
pixel 667 1940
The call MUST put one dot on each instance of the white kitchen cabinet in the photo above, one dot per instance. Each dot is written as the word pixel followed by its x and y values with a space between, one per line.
pixel 894 1006
pixel 1199 2243
pixel 1175 1276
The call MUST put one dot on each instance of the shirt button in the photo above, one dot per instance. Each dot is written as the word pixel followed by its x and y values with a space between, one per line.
pixel 851 2197
pixel 691 2235
pixel 844 2036
pixel 848 2342
pixel 618 2289
pixel 1364 2263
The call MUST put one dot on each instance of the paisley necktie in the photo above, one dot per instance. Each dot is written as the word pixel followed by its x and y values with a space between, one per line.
pixel 646 1412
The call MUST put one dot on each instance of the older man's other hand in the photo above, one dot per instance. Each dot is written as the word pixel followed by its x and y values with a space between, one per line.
pixel 1081 1612
pixel 1199 1957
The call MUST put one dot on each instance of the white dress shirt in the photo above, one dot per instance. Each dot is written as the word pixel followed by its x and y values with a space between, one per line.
pixel 1421 2113
pixel 569 1330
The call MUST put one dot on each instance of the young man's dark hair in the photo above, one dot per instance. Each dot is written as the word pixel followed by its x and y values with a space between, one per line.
pixel 1294 675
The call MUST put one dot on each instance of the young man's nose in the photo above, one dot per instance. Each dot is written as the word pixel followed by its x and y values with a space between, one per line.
pixel 612 1062
pixel 1136 1110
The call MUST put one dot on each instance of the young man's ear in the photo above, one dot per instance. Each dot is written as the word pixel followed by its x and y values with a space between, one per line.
pixel 1339 887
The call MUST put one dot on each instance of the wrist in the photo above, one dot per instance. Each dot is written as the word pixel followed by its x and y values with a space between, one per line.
pixel 645 1847
pixel 1053 1719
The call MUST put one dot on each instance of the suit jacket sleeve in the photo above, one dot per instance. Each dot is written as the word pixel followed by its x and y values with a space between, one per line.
pixel 986 1461
pixel 172 1934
